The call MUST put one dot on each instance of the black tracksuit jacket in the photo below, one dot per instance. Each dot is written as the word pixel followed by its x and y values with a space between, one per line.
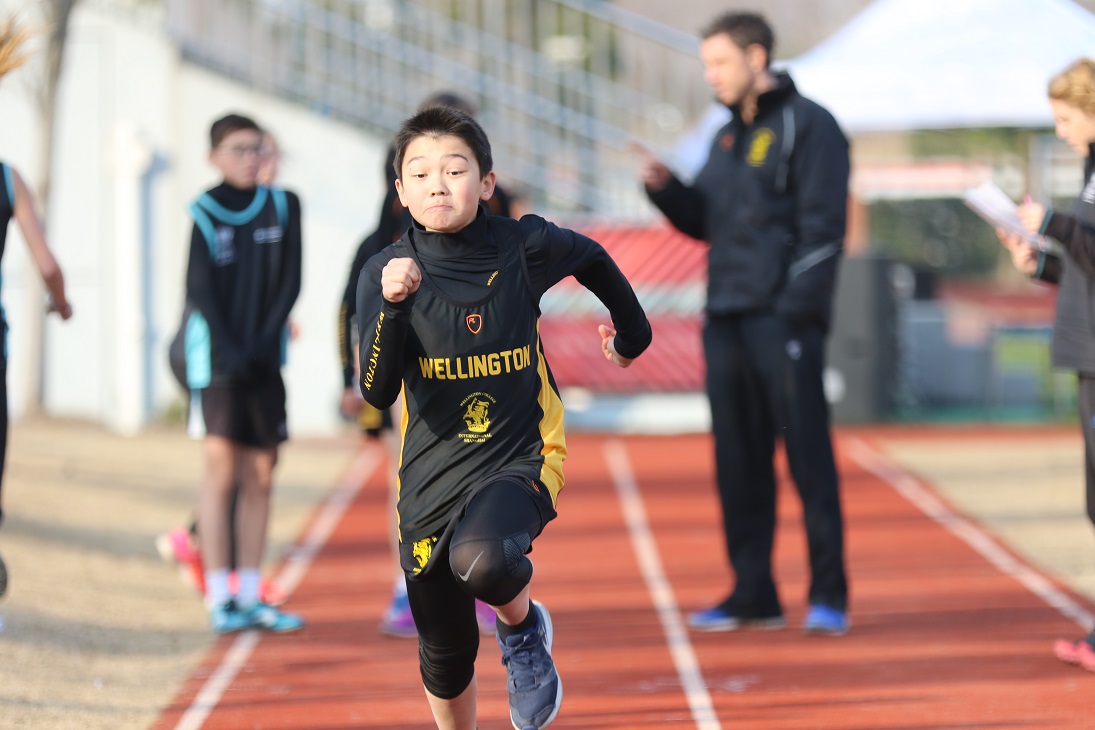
pixel 1074 273
pixel 771 202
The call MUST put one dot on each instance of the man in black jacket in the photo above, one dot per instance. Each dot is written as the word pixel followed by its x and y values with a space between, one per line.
pixel 771 203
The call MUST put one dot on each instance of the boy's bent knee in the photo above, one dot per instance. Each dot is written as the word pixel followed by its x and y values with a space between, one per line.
pixel 493 570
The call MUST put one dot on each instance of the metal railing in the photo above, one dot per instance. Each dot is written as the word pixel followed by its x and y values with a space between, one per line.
pixel 561 85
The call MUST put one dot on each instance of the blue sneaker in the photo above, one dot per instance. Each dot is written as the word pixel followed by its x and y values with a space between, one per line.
pixel 719 619
pixel 825 620
pixel 227 618
pixel 267 617
pixel 535 691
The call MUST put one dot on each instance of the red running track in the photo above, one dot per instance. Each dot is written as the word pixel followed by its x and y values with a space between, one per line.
pixel 948 630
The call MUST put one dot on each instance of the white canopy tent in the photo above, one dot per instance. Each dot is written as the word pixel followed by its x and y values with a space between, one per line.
pixel 907 65
pixel 903 65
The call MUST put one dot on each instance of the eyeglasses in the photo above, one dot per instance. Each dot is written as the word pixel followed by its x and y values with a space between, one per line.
pixel 243 151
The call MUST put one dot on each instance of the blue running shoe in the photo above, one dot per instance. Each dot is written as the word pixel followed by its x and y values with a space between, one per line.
pixel 227 618
pixel 535 691
pixel 267 617
pixel 719 619
pixel 825 620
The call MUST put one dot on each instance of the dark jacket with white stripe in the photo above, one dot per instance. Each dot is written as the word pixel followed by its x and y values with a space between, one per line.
pixel 771 202
pixel 1074 273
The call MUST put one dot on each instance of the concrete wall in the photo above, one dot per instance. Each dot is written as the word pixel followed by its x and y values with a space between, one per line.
pixel 130 153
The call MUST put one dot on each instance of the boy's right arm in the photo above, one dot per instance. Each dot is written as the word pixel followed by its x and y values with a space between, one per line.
pixel 347 310
pixel 382 333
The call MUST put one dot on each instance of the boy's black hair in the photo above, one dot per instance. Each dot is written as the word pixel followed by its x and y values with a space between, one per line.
pixel 228 124
pixel 744 29
pixel 441 121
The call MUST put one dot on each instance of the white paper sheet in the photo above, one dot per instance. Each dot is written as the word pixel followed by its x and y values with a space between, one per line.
pixel 997 209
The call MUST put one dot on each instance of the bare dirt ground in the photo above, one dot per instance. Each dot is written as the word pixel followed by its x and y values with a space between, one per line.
pixel 1023 485
pixel 98 632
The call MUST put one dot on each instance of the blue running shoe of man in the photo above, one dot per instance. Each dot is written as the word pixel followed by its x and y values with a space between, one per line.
pixel 535 691
pixel 825 620
pixel 720 619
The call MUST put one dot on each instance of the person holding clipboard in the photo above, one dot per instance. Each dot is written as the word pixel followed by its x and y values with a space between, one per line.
pixel 1072 98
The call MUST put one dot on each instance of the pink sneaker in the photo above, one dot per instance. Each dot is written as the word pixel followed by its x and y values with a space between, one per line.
pixel 486 618
pixel 270 592
pixel 398 620
pixel 1079 653
pixel 177 547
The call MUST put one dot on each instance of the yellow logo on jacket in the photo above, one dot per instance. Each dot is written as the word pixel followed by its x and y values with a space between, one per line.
pixel 758 148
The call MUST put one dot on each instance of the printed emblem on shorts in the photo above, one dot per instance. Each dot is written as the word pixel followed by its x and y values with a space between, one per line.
pixel 726 141
pixel 758 150
pixel 421 552
pixel 475 323
pixel 477 417
pixel 794 349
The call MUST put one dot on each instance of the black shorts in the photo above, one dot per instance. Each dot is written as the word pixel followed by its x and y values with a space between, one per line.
pixel 250 415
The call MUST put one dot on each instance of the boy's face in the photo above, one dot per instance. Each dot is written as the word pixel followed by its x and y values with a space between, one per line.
pixel 237 157
pixel 440 183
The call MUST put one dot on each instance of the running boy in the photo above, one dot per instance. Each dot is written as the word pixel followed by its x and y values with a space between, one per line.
pixel 449 314
pixel 243 277
pixel 394 220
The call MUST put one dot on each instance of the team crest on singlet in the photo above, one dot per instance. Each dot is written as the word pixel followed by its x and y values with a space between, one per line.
pixel 226 246
pixel 477 417
pixel 475 323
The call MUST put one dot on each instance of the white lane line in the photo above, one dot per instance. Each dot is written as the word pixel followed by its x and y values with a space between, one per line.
pixel 912 490
pixel 646 550
pixel 219 681
pixel 289 577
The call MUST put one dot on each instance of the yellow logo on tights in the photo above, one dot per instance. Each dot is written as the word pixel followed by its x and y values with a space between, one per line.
pixel 422 551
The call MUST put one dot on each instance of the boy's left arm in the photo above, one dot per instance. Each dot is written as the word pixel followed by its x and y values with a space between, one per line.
pixel 556 253
pixel 270 333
